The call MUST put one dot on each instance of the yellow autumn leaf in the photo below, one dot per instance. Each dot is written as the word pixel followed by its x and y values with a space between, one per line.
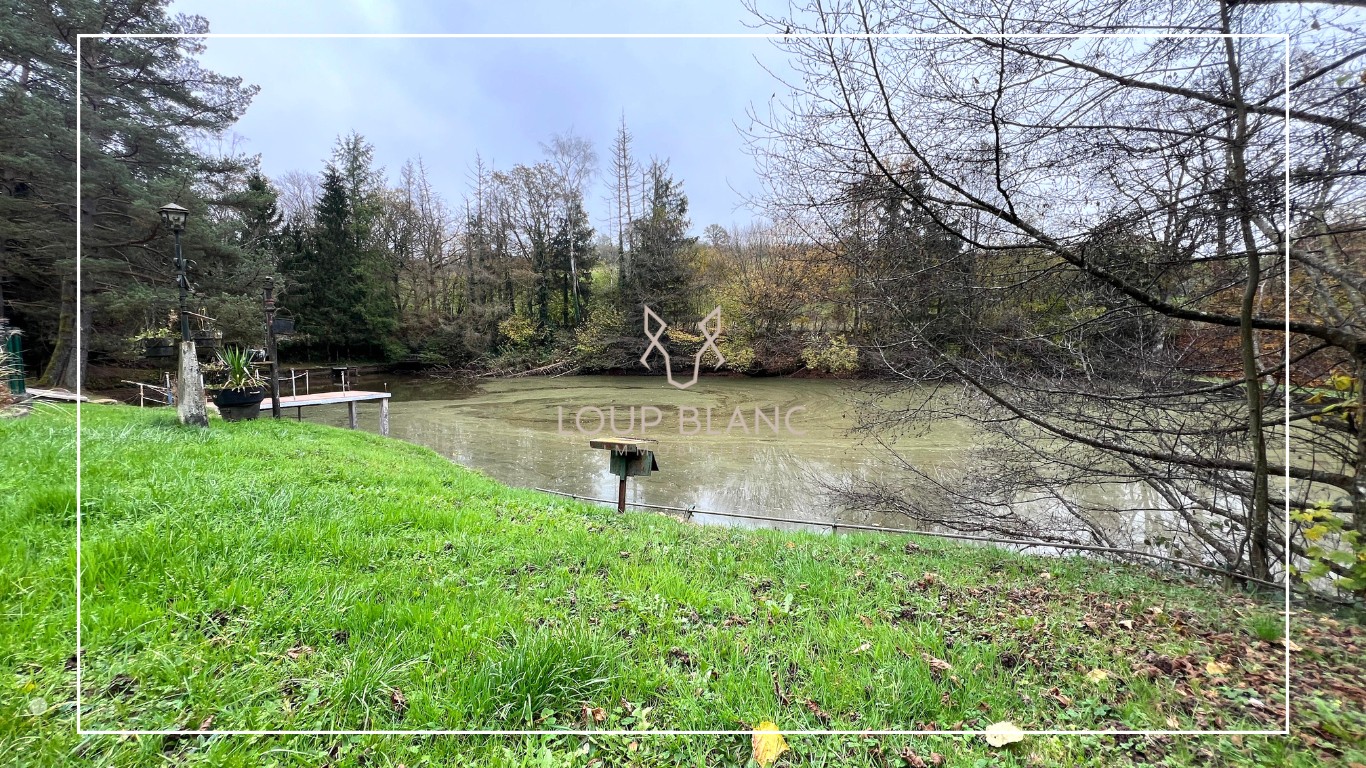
pixel 1097 675
pixel 1215 668
pixel 1003 733
pixel 768 743
pixel 1291 645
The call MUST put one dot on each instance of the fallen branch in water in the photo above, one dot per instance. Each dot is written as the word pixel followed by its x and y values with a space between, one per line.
pixel 511 374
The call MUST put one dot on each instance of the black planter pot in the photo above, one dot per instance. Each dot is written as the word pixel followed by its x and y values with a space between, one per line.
pixel 158 348
pixel 239 404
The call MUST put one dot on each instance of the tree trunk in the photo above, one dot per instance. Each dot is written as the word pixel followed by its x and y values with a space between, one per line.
pixel 1359 475
pixel 564 301
pixel 1259 516
pixel 66 367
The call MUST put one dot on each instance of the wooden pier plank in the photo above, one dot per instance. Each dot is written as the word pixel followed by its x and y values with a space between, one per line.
pixel 352 397
pixel 326 398
pixel 60 395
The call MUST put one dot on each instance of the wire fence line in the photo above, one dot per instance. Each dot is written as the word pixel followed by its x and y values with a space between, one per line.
pixel 836 527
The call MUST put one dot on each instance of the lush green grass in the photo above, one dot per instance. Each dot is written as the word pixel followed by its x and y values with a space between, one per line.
pixel 275 575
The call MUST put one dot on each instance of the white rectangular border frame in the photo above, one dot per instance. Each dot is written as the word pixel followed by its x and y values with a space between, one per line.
pixel 1283 731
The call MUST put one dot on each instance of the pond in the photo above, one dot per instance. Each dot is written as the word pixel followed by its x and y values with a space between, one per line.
pixel 533 432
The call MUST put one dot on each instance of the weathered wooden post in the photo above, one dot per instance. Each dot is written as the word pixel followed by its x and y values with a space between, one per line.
pixel 629 458
pixel 191 406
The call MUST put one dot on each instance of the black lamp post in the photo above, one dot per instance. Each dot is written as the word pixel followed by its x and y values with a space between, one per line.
pixel 189 384
pixel 175 217
pixel 272 355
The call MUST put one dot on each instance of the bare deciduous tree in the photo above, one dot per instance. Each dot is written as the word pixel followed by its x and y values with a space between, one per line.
pixel 576 162
pixel 1124 200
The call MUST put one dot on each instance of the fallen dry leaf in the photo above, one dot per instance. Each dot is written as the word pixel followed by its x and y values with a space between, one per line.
pixel 909 756
pixel 816 710
pixel 594 714
pixel 398 701
pixel 938 665
pixel 1097 675
pixel 768 743
pixel 1214 668
pixel 1291 644
pixel 298 651
pixel 1003 733
pixel 863 647
pixel 1058 696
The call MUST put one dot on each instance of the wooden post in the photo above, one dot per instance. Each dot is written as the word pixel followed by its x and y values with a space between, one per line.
pixel 294 390
pixel 384 417
pixel 190 405
pixel 621 494
pixel 351 413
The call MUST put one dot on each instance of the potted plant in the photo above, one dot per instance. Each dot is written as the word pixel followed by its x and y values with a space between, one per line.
pixel 157 343
pixel 205 338
pixel 240 398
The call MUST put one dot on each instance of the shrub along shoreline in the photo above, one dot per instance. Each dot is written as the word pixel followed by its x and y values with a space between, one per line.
pixel 267 575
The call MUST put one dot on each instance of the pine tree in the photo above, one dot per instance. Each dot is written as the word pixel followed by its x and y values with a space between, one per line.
pixel 571 250
pixel 663 273
pixel 141 99
pixel 341 303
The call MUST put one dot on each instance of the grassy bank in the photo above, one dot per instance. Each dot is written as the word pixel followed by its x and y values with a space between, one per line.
pixel 272 575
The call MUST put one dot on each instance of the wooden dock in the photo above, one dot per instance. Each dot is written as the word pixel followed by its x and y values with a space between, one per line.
pixel 351 398
pixel 58 395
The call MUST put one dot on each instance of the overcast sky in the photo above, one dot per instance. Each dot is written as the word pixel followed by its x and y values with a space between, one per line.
pixel 445 100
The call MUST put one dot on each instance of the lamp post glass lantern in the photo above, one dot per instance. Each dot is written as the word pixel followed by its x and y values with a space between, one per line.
pixel 174 216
